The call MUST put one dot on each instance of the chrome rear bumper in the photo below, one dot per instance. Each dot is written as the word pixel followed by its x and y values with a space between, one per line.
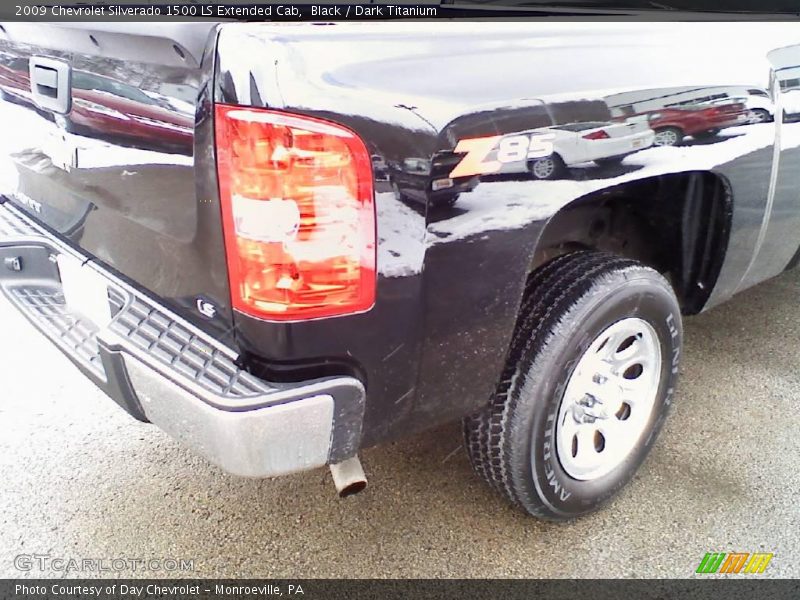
pixel 162 369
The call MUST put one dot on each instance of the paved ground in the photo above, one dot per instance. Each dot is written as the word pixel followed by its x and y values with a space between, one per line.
pixel 82 480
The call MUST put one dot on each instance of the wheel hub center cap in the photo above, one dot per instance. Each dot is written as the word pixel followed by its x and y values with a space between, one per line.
pixel 588 409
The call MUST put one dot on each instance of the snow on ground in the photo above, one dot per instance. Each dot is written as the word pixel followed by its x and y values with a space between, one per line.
pixel 401 233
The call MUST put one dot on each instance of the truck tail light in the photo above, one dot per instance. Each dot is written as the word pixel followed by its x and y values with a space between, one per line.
pixel 596 135
pixel 298 214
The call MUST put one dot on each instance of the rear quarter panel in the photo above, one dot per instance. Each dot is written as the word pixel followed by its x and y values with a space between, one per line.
pixel 451 278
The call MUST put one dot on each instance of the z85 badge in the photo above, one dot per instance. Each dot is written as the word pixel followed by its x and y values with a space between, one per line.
pixel 487 155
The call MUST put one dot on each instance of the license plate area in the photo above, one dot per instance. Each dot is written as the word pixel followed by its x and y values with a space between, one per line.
pixel 85 290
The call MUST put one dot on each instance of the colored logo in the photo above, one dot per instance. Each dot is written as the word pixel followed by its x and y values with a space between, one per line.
pixel 734 562
pixel 508 149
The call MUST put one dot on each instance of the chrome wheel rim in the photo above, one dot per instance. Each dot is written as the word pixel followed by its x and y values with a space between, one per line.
pixel 666 138
pixel 544 168
pixel 609 399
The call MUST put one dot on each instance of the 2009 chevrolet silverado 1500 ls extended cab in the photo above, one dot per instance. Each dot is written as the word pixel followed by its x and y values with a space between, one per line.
pixel 285 243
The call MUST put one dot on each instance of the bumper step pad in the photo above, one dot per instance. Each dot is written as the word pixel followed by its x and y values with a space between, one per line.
pixel 163 337
pixel 179 348
pixel 47 308
pixel 161 368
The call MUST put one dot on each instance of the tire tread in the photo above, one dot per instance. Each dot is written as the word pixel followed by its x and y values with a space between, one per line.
pixel 549 294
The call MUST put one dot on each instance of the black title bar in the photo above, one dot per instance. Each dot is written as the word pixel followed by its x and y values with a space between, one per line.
pixel 183 10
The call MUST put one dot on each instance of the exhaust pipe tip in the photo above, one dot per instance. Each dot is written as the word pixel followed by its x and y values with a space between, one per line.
pixel 348 477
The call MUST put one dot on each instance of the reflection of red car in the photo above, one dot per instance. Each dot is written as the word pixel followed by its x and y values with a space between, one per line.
pixel 102 106
pixel 105 106
pixel 672 124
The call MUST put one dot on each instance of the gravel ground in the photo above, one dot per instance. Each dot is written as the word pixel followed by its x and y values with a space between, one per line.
pixel 80 479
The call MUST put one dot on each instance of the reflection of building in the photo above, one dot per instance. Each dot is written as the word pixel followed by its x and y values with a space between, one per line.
pixel 790 79
pixel 787 69
pixel 786 64
pixel 641 101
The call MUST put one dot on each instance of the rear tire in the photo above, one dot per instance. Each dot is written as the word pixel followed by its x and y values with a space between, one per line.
pixel 521 442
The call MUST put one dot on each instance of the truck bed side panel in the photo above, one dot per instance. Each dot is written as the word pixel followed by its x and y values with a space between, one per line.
pixel 451 277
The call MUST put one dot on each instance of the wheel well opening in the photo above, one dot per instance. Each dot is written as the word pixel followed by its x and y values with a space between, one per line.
pixel 678 224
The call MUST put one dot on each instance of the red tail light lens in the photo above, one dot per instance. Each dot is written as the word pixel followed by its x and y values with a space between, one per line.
pixel 298 214
pixel 596 135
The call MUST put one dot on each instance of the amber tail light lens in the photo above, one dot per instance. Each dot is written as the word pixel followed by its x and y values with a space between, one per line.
pixel 298 214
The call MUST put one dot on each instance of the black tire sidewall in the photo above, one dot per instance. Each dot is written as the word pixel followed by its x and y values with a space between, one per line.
pixel 645 297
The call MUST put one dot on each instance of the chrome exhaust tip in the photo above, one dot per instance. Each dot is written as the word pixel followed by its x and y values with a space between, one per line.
pixel 348 477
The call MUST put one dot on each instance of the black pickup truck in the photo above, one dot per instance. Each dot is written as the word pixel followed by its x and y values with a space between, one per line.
pixel 283 243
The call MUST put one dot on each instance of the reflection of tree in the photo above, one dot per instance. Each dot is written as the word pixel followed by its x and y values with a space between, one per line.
pixel 163 80
pixel 501 120
pixel 132 73
pixel 580 111
pixel 384 136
